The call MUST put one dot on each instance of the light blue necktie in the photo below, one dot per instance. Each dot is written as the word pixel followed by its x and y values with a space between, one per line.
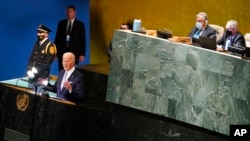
pixel 197 34
pixel 64 79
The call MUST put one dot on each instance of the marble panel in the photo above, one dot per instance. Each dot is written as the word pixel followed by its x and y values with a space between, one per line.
pixel 201 87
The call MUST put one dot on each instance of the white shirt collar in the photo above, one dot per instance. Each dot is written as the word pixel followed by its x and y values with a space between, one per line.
pixel 41 42
pixel 69 72
pixel 72 21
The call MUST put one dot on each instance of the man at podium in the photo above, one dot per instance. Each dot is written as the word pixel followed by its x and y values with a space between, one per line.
pixel 70 83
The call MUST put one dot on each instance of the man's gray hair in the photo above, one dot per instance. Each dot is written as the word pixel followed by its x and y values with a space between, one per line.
pixel 203 14
pixel 71 55
pixel 232 24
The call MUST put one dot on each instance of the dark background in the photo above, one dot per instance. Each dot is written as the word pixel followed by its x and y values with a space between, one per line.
pixel 19 22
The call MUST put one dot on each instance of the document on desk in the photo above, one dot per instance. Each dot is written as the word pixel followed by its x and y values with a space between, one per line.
pixel 55 97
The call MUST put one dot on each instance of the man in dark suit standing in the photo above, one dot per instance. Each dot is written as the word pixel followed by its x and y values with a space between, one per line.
pixel 202 28
pixel 69 84
pixel 70 37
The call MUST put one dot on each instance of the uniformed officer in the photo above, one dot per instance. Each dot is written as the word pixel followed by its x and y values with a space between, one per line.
pixel 42 55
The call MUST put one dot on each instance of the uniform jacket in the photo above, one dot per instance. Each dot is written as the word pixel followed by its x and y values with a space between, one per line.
pixel 41 58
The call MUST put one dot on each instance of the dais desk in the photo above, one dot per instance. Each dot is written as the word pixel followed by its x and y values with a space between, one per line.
pixel 190 84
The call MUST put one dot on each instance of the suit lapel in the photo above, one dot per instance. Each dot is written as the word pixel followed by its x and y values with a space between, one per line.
pixel 74 25
pixel 43 45
pixel 235 38
pixel 64 26
pixel 60 80
pixel 71 77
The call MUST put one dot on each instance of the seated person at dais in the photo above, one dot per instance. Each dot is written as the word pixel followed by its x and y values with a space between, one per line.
pixel 202 28
pixel 231 37
pixel 123 26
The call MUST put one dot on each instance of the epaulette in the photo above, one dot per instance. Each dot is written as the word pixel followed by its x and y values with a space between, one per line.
pixel 52 49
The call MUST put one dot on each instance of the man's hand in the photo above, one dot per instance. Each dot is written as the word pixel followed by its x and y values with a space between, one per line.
pixel 30 74
pixel 67 85
pixel 81 58
pixel 219 48
pixel 43 81
pixel 34 70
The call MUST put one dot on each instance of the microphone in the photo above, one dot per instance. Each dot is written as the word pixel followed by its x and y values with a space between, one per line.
pixel 217 32
pixel 237 49
pixel 17 82
pixel 167 30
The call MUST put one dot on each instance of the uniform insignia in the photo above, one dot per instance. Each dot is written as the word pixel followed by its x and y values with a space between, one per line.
pixel 42 51
pixel 52 50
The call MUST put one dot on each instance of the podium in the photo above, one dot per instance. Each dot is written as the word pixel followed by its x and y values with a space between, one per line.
pixel 54 119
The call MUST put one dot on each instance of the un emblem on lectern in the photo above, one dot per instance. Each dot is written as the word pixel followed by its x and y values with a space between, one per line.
pixel 22 101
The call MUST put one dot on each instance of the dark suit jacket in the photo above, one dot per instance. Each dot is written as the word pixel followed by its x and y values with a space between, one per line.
pixel 77 43
pixel 207 32
pixel 238 40
pixel 77 87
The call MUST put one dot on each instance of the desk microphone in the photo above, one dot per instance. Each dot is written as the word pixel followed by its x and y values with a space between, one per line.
pixel 17 82
pixel 170 31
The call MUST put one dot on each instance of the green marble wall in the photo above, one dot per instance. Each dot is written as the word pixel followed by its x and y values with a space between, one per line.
pixel 190 84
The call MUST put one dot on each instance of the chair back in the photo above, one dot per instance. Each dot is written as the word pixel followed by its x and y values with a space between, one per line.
pixel 247 38
pixel 219 29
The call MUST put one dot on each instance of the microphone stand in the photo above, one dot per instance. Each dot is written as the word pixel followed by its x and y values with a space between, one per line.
pixel 34 112
pixel 35 84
